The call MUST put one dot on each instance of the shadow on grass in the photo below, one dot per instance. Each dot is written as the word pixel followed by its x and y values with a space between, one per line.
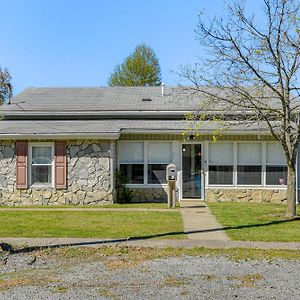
pixel 11 250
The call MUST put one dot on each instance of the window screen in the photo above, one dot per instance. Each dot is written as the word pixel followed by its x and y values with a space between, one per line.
pixel 275 154
pixel 221 153
pixel 131 152
pixel 159 152
pixel 249 154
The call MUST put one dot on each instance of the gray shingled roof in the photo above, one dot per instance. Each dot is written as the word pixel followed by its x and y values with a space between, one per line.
pixel 100 99
pixel 45 112
pixel 111 99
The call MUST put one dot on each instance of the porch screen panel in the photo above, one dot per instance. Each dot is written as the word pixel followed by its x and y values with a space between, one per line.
pixel 275 154
pixel 131 159
pixel 249 153
pixel 159 156
pixel 249 160
pixel 220 163
pixel 276 168
pixel 159 152
pixel 131 152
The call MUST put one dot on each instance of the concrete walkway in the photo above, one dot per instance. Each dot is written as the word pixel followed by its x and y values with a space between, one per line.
pixel 199 223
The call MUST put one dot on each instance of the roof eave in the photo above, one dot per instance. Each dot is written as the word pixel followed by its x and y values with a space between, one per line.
pixel 63 136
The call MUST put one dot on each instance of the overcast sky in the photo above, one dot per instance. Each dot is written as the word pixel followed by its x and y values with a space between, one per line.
pixel 79 42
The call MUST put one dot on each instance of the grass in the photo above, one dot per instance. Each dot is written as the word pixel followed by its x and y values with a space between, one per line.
pixel 115 205
pixel 256 221
pixel 90 224
pixel 132 256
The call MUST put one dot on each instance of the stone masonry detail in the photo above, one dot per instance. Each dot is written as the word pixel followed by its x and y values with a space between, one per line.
pixel 88 177
pixel 246 195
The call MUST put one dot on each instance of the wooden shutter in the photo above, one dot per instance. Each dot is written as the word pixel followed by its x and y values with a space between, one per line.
pixel 60 165
pixel 22 164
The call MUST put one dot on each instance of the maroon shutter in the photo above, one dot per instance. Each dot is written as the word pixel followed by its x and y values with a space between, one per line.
pixel 22 164
pixel 60 165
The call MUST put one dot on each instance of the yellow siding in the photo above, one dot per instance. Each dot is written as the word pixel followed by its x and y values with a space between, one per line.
pixel 150 137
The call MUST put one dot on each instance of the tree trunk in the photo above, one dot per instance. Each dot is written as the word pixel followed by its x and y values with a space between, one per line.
pixel 291 192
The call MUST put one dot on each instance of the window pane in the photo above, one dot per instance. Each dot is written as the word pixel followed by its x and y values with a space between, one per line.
pixel 275 154
pixel 133 172
pixel 221 153
pixel 249 175
pixel 276 175
pixel 41 174
pixel 249 153
pixel 157 173
pixel 220 175
pixel 159 152
pixel 131 152
pixel 41 155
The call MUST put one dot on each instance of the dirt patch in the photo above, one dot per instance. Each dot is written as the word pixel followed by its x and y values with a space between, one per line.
pixel 248 280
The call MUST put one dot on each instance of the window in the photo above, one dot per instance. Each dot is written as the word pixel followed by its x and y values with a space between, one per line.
pixel 220 163
pixel 249 164
pixel 159 156
pixel 249 175
pixel 222 175
pixel 157 173
pixel 131 158
pixel 41 164
pixel 144 162
pixel 133 172
pixel 276 169
pixel 276 175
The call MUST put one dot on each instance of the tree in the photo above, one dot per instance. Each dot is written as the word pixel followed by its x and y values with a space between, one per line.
pixel 253 67
pixel 5 85
pixel 138 69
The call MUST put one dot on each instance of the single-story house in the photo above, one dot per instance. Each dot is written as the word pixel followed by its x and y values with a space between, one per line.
pixel 64 145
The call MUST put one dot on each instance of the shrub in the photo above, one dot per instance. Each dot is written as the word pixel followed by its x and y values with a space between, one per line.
pixel 123 195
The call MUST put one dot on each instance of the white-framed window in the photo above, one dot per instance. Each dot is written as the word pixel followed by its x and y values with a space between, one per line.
pixel 144 162
pixel 239 164
pixel 249 164
pixel 41 164
pixel 158 157
pixel 220 163
pixel 131 161
pixel 276 168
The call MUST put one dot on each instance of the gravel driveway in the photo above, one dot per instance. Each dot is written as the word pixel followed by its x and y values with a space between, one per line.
pixel 29 276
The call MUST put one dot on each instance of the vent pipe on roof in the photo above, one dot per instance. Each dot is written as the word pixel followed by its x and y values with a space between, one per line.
pixel 162 89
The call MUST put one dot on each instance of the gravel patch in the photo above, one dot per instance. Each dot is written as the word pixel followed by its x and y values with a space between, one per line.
pixel 169 278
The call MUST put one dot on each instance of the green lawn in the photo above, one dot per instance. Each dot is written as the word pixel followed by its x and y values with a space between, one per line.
pixel 256 221
pixel 90 224
pixel 115 205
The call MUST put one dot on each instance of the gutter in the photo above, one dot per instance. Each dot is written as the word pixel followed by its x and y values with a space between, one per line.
pixel 205 131
pixel 77 115
pixel 59 136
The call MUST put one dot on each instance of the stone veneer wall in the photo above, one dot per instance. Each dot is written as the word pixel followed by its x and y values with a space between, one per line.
pixel 88 181
pixel 149 195
pixel 246 195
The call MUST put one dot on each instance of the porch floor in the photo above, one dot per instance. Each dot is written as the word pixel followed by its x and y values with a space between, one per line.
pixel 199 223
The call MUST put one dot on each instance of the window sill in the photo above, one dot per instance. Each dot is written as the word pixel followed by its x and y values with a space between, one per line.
pixel 41 186
pixel 245 187
pixel 145 186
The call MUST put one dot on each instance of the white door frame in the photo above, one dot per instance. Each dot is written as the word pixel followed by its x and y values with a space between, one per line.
pixel 202 168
